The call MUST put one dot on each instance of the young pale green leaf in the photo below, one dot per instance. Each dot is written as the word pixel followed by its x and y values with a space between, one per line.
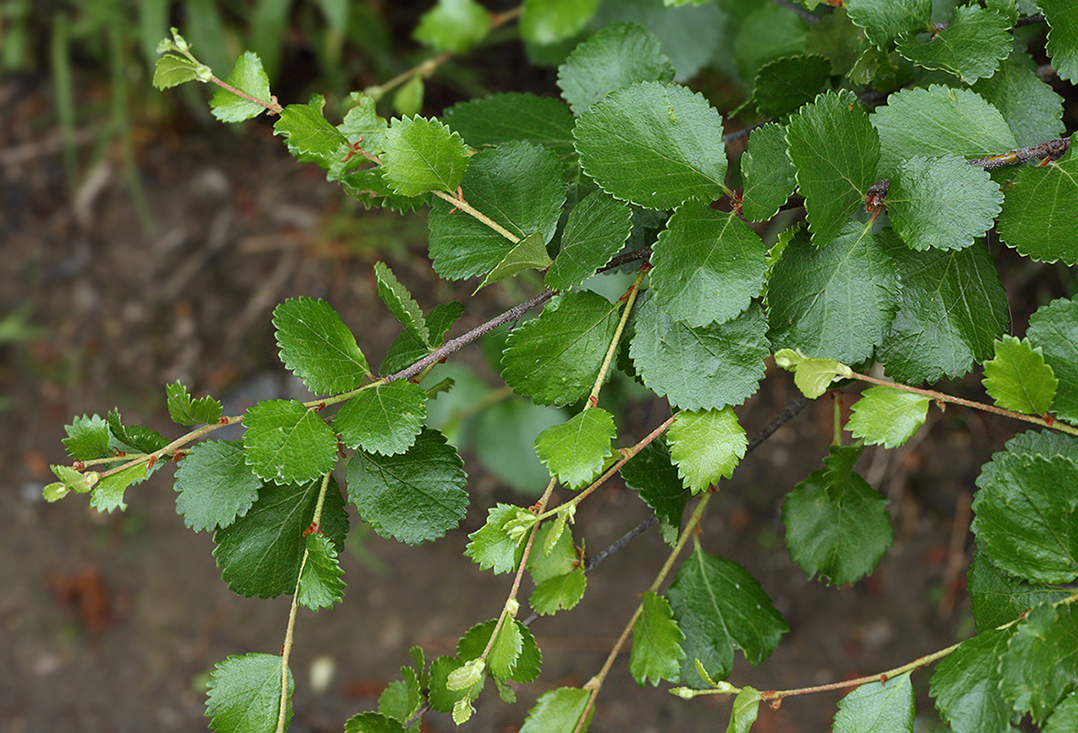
pixel 423 155
pixel 708 265
pixel 834 185
pixel 1040 666
pixel 373 723
pixel 656 653
pixel 575 451
pixel 401 303
pixel 1038 212
pixel 619 55
pixel 310 137
pixel 699 368
pixel 1030 106
pixel 317 347
pixel 87 438
pixel 173 70
pixel 1054 329
pixel 249 77
pixel 559 592
pixel 492 546
pixel 768 173
pixel 513 117
pixel 938 121
pixel 1023 521
pixel 413 496
pixel 837 526
pixel 527 254
pixel 878 707
pixel 720 607
pixel 548 21
pixel 558 711
pixel 408 98
pixel 520 186
pixel 108 493
pixel 320 584
pixel 952 308
pixel 1063 37
pixel 138 438
pixel 654 475
pixel 186 411
pixel 970 47
pixel 706 446
pixel 887 416
pixel 215 485
pixel 244 694
pixel 596 230
pixel 260 553
pixel 653 145
pixel 942 203
pixel 528 660
pixel 1018 378
pixel 746 708
pixel 288 443
pixel 999 598
pixel 886 20
pixel 453 25
pixel 402 698
pixel 443 698
pixel 815 376
pixel 837 301
pixel 558 555
pixel 783 85
pixel 966 685
pixel 1064 717
pixel 506 649
pixel 383 419
pixel 555 358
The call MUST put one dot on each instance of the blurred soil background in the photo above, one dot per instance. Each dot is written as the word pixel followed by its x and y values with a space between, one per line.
pixel 143 243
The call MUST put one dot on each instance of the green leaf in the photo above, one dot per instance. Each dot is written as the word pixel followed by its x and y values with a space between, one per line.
pixel 837 39
pixel 837 526
pixel 408 98
pixel 768 173
pixel 654 475
pixel 406 350
pixel 413 496
pixel 137 438
pixel 746 708
pixel 690 36
pixel 402 698
pixel 656 651
pixel 558 555
pixel 998 598
pixel 1063 37
pixel 1065 715
pixel 878 707
pixel 373 723
pixel 966 685
pixel 442 698
pixel 186 411
pixel 215 485
pixel 1054 329
pixel 619 55
pixel 506 649
pixel 971 47
pixel 1033 111
pixel 310 137
pixel 837 301
pixel 559 593
pixel 288 443
pixel 401 303
pixel 527 254
pixel 653 145
pixel 1037 218
pixel 555 358
pixel 1018 378
pixel 320 584
pixel 887 416
pixel 558 711
pixel 938 121
pixel 812 376
pixel 383 419
pixel 699 368
pixel 260 553
pixel 886 20
pixel 108 493
pixel 520 186
pixel 1023 521
pixel 548 21
pixel 706 446
pixel 512 117
pixel 952 308
pixel 833 178
pixel 423 155
pixel 528 660
pixel 87 438
pixel 708 265
pixel 493 546
pixel 249 77
pixel 942 203
pixel 173 70
pixel 783 85
pixel 1040 666
pixel 244 694
pixel 720 607
pixel 575 451
pixel 597 228
pixel 453 25
pixel 503 438
pixel 362 125
pixel 317 347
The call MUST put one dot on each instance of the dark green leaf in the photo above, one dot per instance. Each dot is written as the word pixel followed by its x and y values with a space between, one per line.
pixel 249 77
pixel 1065 716
pixel 383 419
pixel 970 47
pixel 423 155
pixel 597 228
pixel 706 446
pixel 406 350
pixel 966 685
pixel 186 411
pixel 401 303
pixel 527 254
pixel 1029 105
pixel 402 698
pixel 288 443
pixel 309 136
pixel 244 694
pixel 87 438
pixel 1054 329
pixel 453 25
pixel 1063 37
pixel 138 438
pixel 1038 212
pixel 1040 666
pixel 785 84
pixel 575 451
pixel 653 474
pixel 215 485
pixel 656 651
pixel 886 20
pixel 413 496
pixel 887 416
pixel 878 707
pixel 558 711
pixel 837 526
pixel 317 347
pixel 528 660
pixel 373 723
pixel 1018 378
pixel 515 116
pixel 768 173
pixel 653 145
pixel 837 39
pixel 708 265
pixel 320 584
pixel 999 598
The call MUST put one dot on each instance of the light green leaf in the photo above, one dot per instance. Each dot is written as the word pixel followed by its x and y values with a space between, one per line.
pixel 363 126
pixel 249 77
pixel 528 660
pixel 108 493
pixel 656 651
pixel 575 451
pixel 768 173
pixel 402 698
pixel 317 347
pixel 320 584
pixel 1064 717
pixel 453 25
pixel 1037 218
pixel 887 416
pixel 423 155
pixel 558 711
pixel 1062 18
pixel 1054 329
pixel 559 593
pixel 966 685
pixel 886 20
pixel 244 694
pixel 1018 378
pixel 215 485
pixel 878 707
pixel 527 254
pixel 970 47
pixel 288 443
pixel 706 446
pixel 401 303
pixel 746 708
pixel 596 230
pixel 548 21
pixel 186 411
pixel 383 419
pixel 310 137
pixel 812 376
pixel 1033 111
pixel 493 546
pixel 1040 666
pixel 173 70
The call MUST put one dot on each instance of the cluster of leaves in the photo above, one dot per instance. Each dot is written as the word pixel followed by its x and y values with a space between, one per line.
pixel 894 124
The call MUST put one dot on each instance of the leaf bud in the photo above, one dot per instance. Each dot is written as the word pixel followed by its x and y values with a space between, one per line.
pixel 55 491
